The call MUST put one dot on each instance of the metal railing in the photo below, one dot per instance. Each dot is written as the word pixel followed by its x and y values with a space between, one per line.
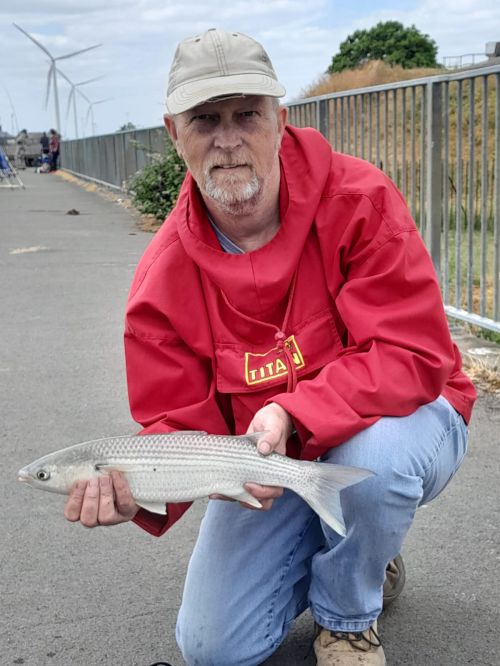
pixel 465 60
pixel 112 159
pixel 438 138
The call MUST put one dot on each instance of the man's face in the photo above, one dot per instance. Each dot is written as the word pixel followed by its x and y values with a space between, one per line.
pixel 230 146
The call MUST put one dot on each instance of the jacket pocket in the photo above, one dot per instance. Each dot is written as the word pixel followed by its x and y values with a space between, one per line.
pixel 244 368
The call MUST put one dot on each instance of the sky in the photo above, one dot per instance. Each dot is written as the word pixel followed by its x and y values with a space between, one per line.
pixel 139 38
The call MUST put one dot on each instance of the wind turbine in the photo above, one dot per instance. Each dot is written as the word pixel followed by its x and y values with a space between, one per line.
pixel 90 112
pixel 72 95
pixel 53 69
pixel 13 115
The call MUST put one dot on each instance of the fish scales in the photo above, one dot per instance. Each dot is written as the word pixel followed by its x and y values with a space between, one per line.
pixel 184 466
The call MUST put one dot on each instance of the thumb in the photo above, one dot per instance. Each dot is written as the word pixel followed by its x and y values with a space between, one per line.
pixel 264 446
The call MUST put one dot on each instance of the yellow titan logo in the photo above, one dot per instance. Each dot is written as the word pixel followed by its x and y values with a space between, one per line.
pixel 270 365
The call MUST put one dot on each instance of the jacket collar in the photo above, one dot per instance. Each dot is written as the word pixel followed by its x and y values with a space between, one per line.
pixel 256 281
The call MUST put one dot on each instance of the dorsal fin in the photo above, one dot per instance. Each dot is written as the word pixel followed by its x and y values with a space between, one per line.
pixel 189 432
pixel 253 437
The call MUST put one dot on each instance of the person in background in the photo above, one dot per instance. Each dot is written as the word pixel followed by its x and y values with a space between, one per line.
pixel 20 156
pixel 315 317
pixel 44 143
pixel 54 149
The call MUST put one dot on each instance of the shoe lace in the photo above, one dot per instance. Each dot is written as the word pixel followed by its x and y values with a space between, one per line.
pixel 370 638
pixel 356 639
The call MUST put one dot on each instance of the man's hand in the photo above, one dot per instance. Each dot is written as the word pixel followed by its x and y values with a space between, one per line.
pixel 106 500
pixel 278 426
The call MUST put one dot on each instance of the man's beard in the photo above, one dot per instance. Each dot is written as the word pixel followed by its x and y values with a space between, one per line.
pixel 234 196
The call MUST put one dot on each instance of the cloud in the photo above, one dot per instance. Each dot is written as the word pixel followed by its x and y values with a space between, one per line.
pixel 139 38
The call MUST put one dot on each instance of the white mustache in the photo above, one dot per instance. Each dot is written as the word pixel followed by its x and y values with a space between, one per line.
pixel 227 163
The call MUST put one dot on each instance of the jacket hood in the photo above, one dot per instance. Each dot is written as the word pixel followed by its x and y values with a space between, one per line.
pixel 256 281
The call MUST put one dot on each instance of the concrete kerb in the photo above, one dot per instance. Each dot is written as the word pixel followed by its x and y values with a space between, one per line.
pixel 111 193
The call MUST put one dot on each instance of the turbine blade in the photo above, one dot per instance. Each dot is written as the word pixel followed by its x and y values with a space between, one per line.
pixel 96 78
pixel 49 79
pixel 64 76
pixel 70 97
pixel 83 95
pixel 35 41
pixel 70 55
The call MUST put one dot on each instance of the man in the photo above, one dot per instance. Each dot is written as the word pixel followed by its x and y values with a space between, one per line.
pixel 44 142
pixel 287 292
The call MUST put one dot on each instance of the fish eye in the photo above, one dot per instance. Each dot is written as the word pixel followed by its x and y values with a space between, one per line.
pixel 43 475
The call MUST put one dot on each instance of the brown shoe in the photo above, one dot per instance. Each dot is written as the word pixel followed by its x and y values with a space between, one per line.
pixel 336 648
pixel 395 577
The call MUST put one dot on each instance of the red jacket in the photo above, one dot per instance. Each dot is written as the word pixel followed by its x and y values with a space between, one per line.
pixel 338 318
pixel 54 143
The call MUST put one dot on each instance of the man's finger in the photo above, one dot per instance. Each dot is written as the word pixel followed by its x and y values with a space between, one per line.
pixel 264 492
pixel 221 497
pixel 125 503
pixel 90 505
pixel 107 511
pixel 73 506
pixel 268 443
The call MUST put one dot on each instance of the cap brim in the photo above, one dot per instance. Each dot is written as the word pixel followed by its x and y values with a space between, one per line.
pixel 197 92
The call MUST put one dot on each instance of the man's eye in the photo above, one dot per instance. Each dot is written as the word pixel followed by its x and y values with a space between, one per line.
pixel 203 117
pixel 249 114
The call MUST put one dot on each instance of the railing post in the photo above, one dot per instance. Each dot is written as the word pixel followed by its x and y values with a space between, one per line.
pixel 434 174
pixel 322 117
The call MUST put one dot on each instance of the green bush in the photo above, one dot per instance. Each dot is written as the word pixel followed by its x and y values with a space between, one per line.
pixel 155 188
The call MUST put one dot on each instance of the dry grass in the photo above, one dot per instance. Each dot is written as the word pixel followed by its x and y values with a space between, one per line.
pixel 484 373
pixel 372 73
pixel 150 223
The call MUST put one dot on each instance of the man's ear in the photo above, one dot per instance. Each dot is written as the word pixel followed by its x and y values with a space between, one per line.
pixel 169 123
pixel 172 131
pixel 282 119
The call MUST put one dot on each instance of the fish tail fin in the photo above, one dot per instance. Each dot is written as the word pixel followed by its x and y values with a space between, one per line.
pixel 322 491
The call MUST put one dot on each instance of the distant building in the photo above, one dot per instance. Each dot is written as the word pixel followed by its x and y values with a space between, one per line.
pixel 4 137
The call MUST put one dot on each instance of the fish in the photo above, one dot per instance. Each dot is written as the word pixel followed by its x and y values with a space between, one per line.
pixel 185 466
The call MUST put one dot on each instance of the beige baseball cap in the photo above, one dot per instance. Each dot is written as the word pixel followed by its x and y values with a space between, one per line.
pixel 219 64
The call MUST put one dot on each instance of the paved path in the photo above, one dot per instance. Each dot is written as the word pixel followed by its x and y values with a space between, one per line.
pixel 109 596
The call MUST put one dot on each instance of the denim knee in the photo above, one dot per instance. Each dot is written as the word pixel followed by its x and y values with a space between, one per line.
pixel 412 457
pixel 203 645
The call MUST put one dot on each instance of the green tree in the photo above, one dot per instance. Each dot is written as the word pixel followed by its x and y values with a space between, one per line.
pixel 389 41
pixel 126 127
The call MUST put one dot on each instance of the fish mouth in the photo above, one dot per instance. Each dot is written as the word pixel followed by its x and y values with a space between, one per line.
pixel 23 475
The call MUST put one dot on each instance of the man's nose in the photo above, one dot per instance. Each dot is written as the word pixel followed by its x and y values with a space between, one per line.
pixel 227 136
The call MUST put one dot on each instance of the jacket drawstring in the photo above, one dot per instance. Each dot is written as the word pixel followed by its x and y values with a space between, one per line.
pixel 280 336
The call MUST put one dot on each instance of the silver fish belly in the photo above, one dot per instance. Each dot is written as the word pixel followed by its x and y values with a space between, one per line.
pixel 184 466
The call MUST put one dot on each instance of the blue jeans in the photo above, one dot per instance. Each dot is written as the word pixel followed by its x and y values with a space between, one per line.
pixel 252 573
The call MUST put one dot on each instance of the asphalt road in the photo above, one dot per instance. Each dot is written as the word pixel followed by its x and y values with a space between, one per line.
pixel 109 596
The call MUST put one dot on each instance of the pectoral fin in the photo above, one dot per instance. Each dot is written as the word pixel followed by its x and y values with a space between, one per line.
pixel 154 507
